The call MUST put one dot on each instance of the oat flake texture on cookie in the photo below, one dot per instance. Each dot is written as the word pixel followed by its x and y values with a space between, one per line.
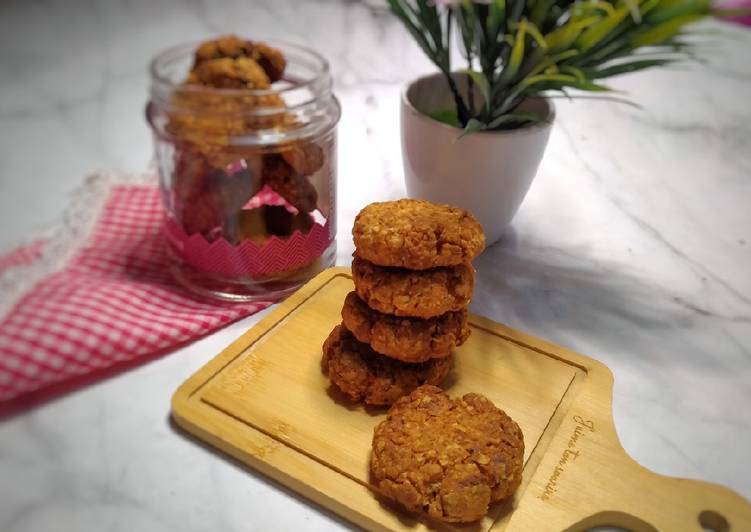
pixel 410 293
pixel 447 458
pixel 406 339
pixel 416 234
pixel 364 375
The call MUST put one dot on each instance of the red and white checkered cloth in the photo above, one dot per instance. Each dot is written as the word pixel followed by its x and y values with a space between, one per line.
pixel 111 303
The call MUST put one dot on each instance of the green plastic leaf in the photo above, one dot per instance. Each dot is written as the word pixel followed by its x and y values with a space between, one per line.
pixel 534 32
pixel 589 86
pixel 670 9
pixel 519 116
pixel 571 97
pixel 398 9
pixel 562 38
pixel 598 31
pixel 664 31
pixel 581 9
pixel 552 60
pixel 547 78
pixel 482 83
pixel 447 116
pixel 473 126
pixel 496 18
pixel 516 49
pixel 576 72
pixel 626 67
pixel 517 52
pixel 540 11
pixel 633 7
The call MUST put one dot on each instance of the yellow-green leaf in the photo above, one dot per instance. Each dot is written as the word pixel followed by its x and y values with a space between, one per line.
pixel 517 52
pixel 536 35
pixel 598 31
pixel 482 83
pixel 551 61
pixel 543 78
pixel 576 72
pixel 664 31
pixel 561 38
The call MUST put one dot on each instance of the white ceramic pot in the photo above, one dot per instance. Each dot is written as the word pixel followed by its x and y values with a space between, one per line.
pixel 486 173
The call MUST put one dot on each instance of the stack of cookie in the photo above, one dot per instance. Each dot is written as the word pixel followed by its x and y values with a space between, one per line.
pixel 413 282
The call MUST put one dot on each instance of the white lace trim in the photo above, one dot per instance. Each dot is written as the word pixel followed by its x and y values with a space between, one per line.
pixel 65 239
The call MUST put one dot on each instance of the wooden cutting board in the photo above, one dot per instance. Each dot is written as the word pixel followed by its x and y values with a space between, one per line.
pixel 265 401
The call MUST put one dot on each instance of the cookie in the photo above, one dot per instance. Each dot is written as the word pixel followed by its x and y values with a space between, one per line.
pixel 281 222
pixel 417 293
pixel 416 234
pixel 290 185
pixel 200 215
pixel 228 73
pixel 305 158
pixel 270 59
pixel 364 375
pixel 406 339
pixel 447 458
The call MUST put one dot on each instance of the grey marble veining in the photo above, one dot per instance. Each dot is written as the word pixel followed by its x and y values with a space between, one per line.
pixel 633 246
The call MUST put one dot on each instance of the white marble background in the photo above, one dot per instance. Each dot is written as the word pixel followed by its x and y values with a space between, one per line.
pixel 633 246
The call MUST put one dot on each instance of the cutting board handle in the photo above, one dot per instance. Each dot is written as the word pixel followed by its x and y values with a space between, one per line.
pixel 585 479
pixel 660 503
pixel 615 490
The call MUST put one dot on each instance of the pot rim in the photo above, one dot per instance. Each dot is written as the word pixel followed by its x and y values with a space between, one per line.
pixel 524 130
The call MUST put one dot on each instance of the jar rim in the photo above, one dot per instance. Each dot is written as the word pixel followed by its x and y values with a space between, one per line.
pixel 158 76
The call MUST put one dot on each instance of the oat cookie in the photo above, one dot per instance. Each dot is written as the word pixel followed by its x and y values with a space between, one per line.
pixel 406 339
pixel 416 234
pixel 447 458
pixel 290 185
pixel 270 59
pixel 364 375
pixel 305 158
pixel 227 73
pixel 281 222
pixel 421 294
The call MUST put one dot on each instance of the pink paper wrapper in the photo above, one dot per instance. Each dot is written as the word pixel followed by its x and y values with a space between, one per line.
pixel 220 257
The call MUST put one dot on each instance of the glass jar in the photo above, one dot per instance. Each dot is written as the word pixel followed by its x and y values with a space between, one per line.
pixel 248 176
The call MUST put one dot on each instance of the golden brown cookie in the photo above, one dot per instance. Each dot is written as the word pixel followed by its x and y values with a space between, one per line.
pixel 447 458
pixel 406 339
pixel 364 375
pixel 304 157
pixel 290 185
pixel 228 73
pixel 416 234
pixel 210 120
pixel 417 293
pixel 271 60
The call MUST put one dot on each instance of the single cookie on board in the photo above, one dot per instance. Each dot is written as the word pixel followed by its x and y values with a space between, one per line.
pixel 406 339
pixel 447 458
pixel 416 234
pixel 421 294
pixel 364 375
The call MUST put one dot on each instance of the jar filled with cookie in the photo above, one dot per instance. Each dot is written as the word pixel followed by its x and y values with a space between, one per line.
pixel 245 144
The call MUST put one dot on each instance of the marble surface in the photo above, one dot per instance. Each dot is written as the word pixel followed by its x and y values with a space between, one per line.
pixel 633 246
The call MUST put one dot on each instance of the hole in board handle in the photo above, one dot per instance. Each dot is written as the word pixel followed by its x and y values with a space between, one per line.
pixel 711 521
